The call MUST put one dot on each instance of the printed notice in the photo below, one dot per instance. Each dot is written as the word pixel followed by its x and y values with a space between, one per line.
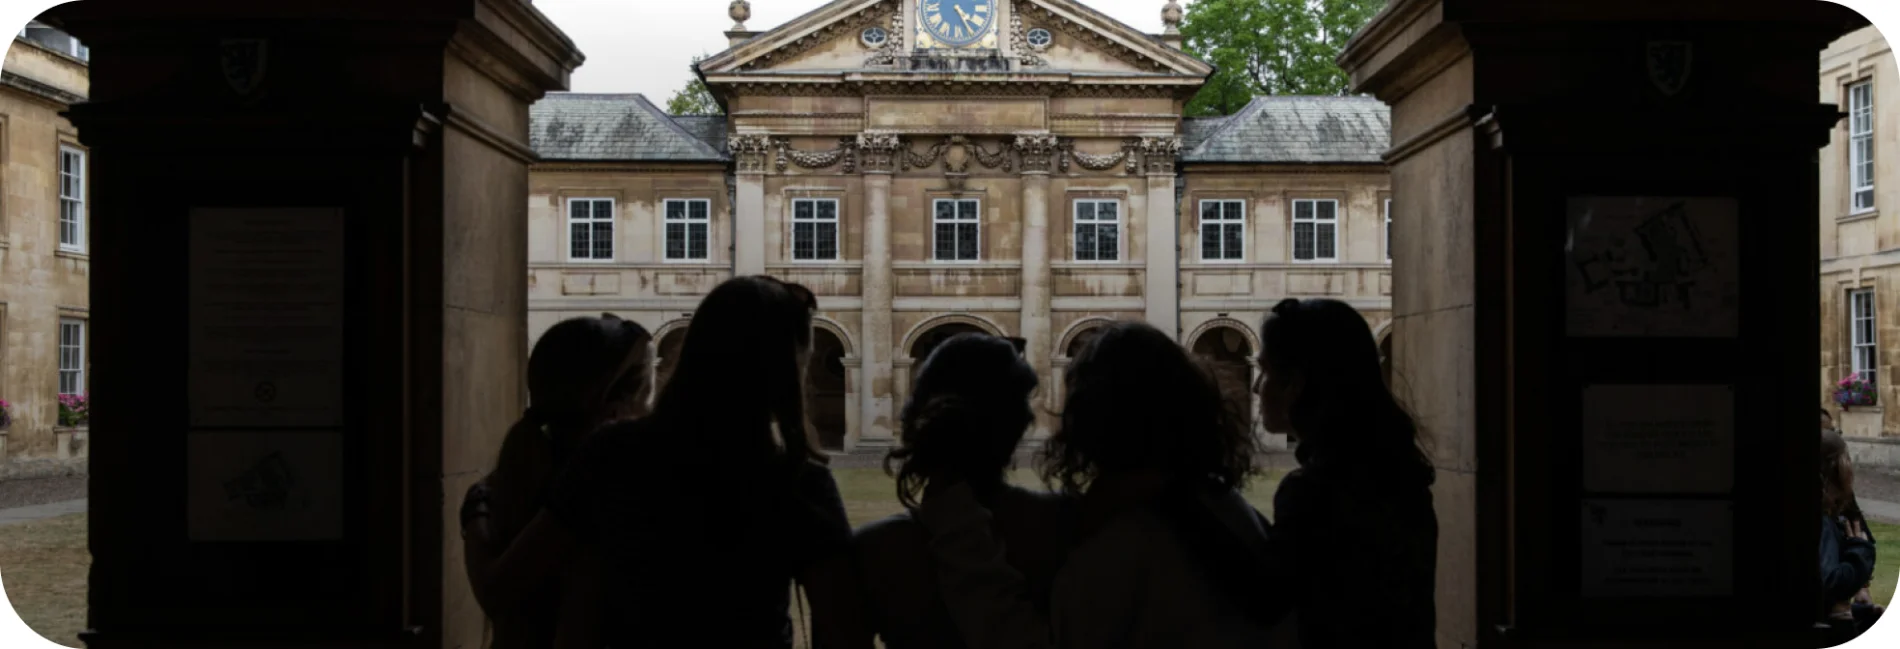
pixel 1659 439
pixel 266 318
pixel 1658 548
pixel 265 486
pixel 1652 267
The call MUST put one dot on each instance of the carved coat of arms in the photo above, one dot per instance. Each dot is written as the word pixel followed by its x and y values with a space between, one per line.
pixel 1670 63
pixel 243 61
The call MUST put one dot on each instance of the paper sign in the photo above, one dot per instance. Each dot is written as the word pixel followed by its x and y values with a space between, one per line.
pixel 1659 439
pixel 250 485
pixel 266 318
pixel 1652 267
pixel 1658 548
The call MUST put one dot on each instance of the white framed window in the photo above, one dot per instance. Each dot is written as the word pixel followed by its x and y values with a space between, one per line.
pixel 1316 230
pixel 688 228
pixel 1098 230
pixel 814 229
pixel 590 229
pixel 72 199
pixel 1860 322
pixel 957 230
pixel 1223 230
pixel 1388 230
pixel 72 356
pixel 1860 146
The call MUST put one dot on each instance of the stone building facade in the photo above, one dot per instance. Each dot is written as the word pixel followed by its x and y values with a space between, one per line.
pixel 43 237
pixel 1031 176
pixel 1860 228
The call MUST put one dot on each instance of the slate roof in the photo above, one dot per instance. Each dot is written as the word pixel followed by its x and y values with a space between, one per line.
pixel 710 129
pixel 1286 129
pixel 1194 130
pixel 604 127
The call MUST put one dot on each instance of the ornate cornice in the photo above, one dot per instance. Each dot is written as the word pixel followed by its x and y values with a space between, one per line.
pixel 1087 34
pixel 1000 86
pixel 842 28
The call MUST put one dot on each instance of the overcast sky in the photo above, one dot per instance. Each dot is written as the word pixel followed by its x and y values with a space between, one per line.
pixel 644 46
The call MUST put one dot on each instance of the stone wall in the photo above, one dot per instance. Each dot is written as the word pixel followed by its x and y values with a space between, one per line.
pixel 40 283
pixel 1860 249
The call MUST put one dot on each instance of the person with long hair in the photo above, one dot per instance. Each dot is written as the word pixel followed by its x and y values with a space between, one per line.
pixel 1168 551
pixel 1847 550
pixel 965 416
pixel 706 512
pixel 1357 513
pixel 582 373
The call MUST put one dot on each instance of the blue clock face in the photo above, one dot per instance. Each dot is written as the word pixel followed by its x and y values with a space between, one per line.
pixel 957 23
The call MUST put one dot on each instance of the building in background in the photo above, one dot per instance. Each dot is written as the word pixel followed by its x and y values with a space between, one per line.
pixel 1860 229
pixel 1021 169
pixel 43 234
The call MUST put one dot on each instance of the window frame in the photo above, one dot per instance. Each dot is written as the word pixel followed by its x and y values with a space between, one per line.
pixel 613 230
pixel 79 201
pixel 1388 230
pixel 1200 229
pixel 79 372
pixel 1855 299
pixel 1860 111
pixel 837 230
pixel 689 222
pixel 1075 226
pixel 1293 220
pixel 978 222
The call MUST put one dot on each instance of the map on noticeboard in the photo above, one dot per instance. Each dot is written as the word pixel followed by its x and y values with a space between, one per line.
pixel 1649 266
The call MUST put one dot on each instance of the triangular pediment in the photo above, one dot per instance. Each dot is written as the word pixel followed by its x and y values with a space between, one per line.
pixel 831 39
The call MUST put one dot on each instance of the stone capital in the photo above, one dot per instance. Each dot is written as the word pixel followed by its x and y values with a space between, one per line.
pixel 1158 154
pixel 751 151
pixel 878 151
pixel 1037 150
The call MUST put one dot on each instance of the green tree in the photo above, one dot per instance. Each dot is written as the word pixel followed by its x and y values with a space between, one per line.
pixel 695 98
pixel 1271 47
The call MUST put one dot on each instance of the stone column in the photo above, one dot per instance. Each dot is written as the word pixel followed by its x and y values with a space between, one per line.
pixel 876 424
pixel 751 151
pixel 1162 291
pixel 1037 151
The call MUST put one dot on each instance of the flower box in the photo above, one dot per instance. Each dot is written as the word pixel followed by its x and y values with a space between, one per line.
pixel 1855 391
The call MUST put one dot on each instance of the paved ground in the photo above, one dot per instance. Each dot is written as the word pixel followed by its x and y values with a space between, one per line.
pixel 1879 494
pixel 39 491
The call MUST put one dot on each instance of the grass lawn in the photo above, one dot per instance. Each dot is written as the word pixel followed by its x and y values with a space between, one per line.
pixel 1886 561
pixel 43 565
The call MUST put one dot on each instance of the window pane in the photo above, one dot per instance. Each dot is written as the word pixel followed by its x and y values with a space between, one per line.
pixel 946 241
pixel 696 240
pixel 1303 241
pixel 828 210
pixel 827 240
pixel 1210 210
pixel 1108 240
pixel 1302 210
pixel 801 210
pixel 1230 235
pixel 603 239
pixel 698 210
pixel 1085 242
pixel 946 210
pixel 604 210
pixel 1327 210
pixel 1210 241
pixel 966 211
pixel 577 209
pixel 803 235
pixel 577 247
pixel 675 210
pixel 966 241
pixel 1326 241
pixel 1084 211
pixel 676 241
pixel 1107 211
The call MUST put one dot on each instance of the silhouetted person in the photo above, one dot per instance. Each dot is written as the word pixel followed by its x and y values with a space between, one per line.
pixel 965 416
pixel 1847 551
pixel 707 511
pixel 1165 542
pixel 582 373
pixel 1356 516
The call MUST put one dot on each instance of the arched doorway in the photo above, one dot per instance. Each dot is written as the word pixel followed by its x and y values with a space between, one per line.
pixel 1081 341
pixel 929 340
pixel 1227 351
pixel 825 389
pixel 668 351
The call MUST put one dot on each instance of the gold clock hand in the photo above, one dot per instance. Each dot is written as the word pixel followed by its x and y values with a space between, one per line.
pixel 964 17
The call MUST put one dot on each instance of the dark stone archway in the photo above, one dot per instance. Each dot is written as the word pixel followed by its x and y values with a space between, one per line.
pixel 1227 352
pixel 929 340
pixel 825 389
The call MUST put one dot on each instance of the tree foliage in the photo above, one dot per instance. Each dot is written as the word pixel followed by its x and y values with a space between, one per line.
pixel 695 98
pixel 1271 47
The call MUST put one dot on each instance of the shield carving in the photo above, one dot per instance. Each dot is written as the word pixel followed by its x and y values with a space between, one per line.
pixel 1669 65
pixel 243 60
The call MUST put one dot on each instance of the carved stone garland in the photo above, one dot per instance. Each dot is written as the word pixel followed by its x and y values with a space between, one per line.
pixel 886 56
pixel 1094 162
pixel 787 155
pixel 1019 40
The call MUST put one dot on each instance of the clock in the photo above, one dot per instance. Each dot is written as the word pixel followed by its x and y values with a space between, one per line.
pixel 957 23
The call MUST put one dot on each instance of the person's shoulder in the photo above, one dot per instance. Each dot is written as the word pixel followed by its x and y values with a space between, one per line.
pixel 895 528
